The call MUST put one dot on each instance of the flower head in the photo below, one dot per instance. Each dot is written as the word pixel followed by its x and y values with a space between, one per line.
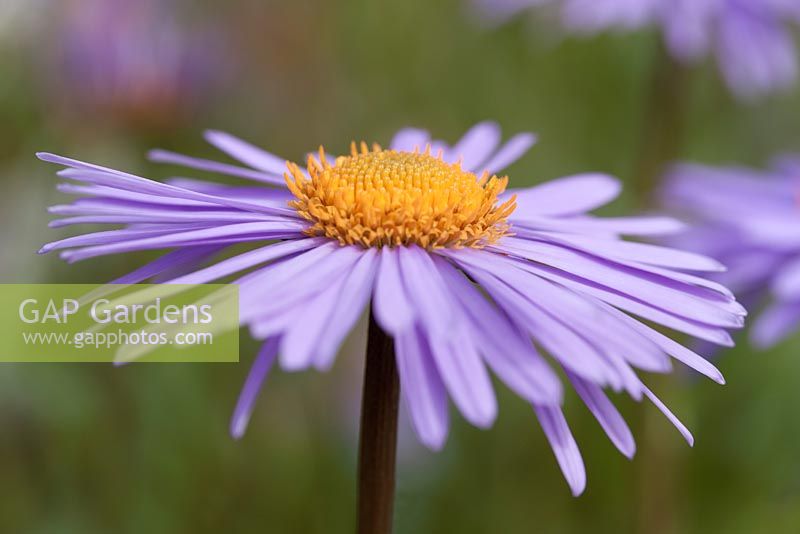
pixel 464 276
pixel 376 198
pixel 749 38
pixel 750 220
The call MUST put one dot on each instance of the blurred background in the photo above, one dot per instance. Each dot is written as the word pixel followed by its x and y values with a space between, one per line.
pixel 93 449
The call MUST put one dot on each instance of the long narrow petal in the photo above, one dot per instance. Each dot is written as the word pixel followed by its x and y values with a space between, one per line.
pixel 562 322
pixel 165 156
pixel 671 416
pixel 96 174
pixel 563 343
pixel 252 387
pixel 247 260
pixel 597 226
pixel 606 414
pixel 353 298
pixel 280 284
pixel 627 280
pixel 267 230
pixel 625 302
pixel 563 445
pixel 673 348
pixel 640 252
pixel 245 152
pixel 509 354
pixel 510 152
pixel 476 145
pixel 393 309
pixel 301 340
pixel 424 287
pixel 567 196
pixel 465 377
pixel 423 391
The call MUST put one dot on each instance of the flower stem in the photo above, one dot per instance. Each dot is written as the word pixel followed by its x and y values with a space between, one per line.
pixel 663 123
pixel 663 133
pixel 378 438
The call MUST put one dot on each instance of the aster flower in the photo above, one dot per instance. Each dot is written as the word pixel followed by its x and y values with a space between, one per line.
pixel 464 277
pixel 749 220
pixel 749 38
pixel 134 61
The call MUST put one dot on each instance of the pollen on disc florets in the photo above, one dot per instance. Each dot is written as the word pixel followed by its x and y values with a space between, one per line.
pixel 377 198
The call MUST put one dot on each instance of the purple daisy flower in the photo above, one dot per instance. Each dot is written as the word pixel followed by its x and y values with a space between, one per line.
pixel 134 61
pixel 749 38
pixel 465 278
pixel 749 220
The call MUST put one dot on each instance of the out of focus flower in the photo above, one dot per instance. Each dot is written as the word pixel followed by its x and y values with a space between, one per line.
pixel 134 61
pixel 750 220
pixel 750 39
pixel 465 276
pixel 19 19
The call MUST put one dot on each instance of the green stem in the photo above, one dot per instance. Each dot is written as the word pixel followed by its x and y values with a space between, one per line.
pixel 663 123
pixel 661 457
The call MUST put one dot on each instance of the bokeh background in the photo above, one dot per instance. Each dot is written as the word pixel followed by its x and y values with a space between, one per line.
pixel 94 449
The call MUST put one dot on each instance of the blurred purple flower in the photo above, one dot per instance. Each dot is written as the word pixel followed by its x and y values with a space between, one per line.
pixel 749 38
pixel 750 221
pixel 134 61
pixel 465 277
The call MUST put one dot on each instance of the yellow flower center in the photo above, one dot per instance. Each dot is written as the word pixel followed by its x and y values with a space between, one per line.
pixel 377 198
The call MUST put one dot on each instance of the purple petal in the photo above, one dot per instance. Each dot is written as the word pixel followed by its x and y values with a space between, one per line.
pixel 301 340
pixel 410 139
pixel 639 252
pixel 424 287
pixel 268 195
pixel 100 191
pixel 96 174
pixel 764 62
pixel 180 258
pixel 247 260
pixel 393 310
pixel 506 351
pixel 466 378
pixel 775 323
pixel 688 28
pixel 606 414
pixel 252 387
pixel 609 227
pixel 564 447
pixel 352 300
pixel 786 284
pixel 227 233
pixel 423 391
pixel 266 290
pixel 567 196
pixel 476 145
pixel 130 211
pixel 165 156
pixel 627 281
pixel 114 236
pixel 673 348
pixel 508 288
pixel 590 16
pixel 669 415
pixel 510 152
pixel 694 328
pixel 246 153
